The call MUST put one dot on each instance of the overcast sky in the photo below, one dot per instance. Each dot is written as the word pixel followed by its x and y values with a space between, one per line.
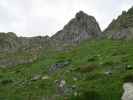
pixel 46 17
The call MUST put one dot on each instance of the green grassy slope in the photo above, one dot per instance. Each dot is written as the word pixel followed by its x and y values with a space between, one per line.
pixel 87 72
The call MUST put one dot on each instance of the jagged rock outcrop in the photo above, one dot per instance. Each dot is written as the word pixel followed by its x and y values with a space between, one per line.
pixel 19 50
pixel 122 27
pixel 8 42
pixel 80 28
pixel 39 42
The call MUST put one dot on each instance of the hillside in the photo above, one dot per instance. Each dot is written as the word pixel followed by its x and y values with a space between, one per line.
pixel 92 71
pixel 76 63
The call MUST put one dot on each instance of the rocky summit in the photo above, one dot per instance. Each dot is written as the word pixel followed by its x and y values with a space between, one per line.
pixel 80 28
pixel 122 27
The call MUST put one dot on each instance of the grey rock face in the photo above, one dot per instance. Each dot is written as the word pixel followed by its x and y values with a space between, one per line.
pixel 20 50
pixel 121 34
pixel 128 91
pixel 34 42
pixel 122 27
pixel 80 28
pixel 8 42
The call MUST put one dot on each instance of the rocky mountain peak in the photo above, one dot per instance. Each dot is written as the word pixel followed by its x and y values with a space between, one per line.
pixel 122 27
pixel 80 28
pixel 80 14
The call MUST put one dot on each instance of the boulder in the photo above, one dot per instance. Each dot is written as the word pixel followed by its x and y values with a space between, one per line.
pixel 62 83
pixel 45 77
pixel 59 65
pixel 36 77
pixel 108 72
pixel 128 91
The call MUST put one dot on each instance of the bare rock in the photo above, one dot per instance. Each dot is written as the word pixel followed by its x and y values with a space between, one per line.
pixel 128 91
pixel 80 28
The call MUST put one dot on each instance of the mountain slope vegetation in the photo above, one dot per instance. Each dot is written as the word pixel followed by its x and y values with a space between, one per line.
pixel 96 72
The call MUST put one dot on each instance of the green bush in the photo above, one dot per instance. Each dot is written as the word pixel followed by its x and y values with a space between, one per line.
pixel 6 81
pixel 128 78
pixel 87 68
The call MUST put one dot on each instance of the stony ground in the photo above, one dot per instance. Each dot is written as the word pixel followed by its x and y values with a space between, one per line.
pixel 95 70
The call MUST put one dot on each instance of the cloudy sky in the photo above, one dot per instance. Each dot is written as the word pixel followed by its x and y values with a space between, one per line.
pixel 46 17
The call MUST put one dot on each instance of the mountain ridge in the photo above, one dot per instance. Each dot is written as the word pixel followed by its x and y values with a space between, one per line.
pixel 80 28
pixel 121 27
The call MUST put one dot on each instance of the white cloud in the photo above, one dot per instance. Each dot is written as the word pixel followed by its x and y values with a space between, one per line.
pixel 46 17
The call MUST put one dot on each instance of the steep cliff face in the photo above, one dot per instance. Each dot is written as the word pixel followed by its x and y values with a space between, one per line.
pixel 122 27
pixel 19 50
pixel 8 42
pixel 40 42
pixel 80 28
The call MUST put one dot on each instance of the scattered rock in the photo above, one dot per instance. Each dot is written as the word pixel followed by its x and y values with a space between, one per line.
pixel 65 89
pixel 62 83
pixel 128 91
pixel 59 65
pixel 108 73
pixel 75 79
pixel 35 78
pixel 45 77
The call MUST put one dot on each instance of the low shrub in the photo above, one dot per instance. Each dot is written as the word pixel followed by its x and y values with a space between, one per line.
pixel 87 95
pixel 109 63
pixel 87 68
pixel 91 59
pixel 6 81
pixel 128 78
